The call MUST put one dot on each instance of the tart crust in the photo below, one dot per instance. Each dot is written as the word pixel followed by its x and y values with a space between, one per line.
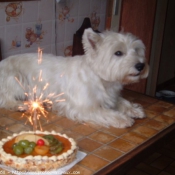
pixel 38 163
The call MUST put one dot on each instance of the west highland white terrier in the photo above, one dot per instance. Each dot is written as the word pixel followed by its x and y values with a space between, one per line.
pixel 91 83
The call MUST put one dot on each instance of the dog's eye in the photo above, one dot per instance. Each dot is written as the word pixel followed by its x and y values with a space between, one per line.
pixel 118 53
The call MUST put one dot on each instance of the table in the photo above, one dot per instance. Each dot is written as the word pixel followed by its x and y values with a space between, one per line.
pixel 109 150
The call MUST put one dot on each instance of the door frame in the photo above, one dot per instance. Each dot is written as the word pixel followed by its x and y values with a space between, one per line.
pixel 156 48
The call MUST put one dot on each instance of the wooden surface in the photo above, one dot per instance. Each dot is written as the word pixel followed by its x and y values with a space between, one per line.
pixel 121 166
pixel 109 150
pixel 109 14
pixel 77 38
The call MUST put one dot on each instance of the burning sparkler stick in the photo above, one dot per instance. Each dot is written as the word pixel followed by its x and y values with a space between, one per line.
pixel 34 117
pixel 36 107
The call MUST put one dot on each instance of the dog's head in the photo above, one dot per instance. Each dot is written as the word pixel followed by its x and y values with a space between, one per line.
pixel 115 56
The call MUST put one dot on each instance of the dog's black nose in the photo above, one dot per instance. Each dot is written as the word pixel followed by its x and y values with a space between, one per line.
pixel 139 66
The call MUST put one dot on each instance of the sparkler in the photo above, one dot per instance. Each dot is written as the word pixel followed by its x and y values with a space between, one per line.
pixel 36 107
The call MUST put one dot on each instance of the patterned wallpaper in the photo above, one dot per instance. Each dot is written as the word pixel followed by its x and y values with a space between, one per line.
pixel 25 26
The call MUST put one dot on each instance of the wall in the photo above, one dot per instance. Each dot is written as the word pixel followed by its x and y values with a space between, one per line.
pixel 25 26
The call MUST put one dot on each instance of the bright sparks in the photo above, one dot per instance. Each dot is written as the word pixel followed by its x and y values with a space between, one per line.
pixel 35 107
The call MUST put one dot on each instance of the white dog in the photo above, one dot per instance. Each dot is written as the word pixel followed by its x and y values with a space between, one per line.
pixel 91 83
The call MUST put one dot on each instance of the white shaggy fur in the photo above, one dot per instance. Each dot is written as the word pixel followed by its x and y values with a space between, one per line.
pixel 91 83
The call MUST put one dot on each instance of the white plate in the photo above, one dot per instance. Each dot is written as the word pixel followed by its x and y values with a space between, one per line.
pixel 167 93
pixel 60 171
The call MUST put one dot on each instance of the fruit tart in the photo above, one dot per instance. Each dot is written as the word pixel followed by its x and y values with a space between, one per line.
pixel 37 151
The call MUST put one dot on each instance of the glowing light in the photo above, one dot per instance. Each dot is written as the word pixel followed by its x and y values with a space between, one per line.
pixel 40 53
pixel 36 105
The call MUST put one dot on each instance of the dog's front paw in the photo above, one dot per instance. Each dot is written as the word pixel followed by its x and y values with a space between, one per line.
pixel 136 111
pixel 47 106
pixel 124 123
pixel 112 118
pixel 121 121
pixel 22 107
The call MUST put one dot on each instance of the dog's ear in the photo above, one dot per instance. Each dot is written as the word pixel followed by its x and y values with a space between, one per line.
pixel 90 39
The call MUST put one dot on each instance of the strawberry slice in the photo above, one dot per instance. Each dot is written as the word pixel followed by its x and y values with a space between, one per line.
pixel 40 142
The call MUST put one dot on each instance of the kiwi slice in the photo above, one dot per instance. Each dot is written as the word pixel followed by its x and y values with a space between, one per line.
pixel 56 151
pixel 54 147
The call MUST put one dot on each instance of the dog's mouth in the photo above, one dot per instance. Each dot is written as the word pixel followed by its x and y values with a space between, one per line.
pixel 135 75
